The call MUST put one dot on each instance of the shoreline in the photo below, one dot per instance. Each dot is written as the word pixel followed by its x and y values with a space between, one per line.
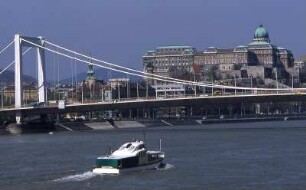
pixel 110 125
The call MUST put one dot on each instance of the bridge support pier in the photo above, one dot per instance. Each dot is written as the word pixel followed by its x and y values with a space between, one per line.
pixel 19 42
pixel 41 72
pixel 18 117
pixel 18 76
pixel 57 118
pixel 257 109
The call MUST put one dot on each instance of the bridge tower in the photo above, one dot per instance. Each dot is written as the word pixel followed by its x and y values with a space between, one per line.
pixel 19 43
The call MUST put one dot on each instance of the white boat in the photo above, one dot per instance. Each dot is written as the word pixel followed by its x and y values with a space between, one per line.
pixel 131 156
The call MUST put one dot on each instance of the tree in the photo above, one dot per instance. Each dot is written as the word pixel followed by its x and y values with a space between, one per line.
pixel 179 73
pixel 212 73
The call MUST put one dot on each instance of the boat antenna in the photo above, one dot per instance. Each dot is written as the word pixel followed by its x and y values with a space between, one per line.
pixel 160 144
pixel 110 149
pixel 144 135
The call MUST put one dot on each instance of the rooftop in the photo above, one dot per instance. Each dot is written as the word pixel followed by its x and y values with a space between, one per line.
pixel 174 47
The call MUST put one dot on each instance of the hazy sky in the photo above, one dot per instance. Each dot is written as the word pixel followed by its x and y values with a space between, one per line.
pixel 120 31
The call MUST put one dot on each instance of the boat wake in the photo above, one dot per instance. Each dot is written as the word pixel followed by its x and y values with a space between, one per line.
pixel 89 174
pixel 77 177
pixel 165 167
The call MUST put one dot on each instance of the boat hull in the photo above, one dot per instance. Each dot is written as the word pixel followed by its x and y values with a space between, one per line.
pixel 110 170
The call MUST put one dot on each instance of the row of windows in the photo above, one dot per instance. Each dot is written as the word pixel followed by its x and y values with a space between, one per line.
pixel 220 57
pixel 226 67
pixel 161 70
pixel 170 64
pixel 220 61
pixel 165 69
pixel 173 59
pixel 263 52
pixel 170 50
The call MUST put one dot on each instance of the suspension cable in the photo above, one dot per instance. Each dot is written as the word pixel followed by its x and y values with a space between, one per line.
pixel 7 46
pixel 105 67
pixel 118 66
pixel 25 52
pixel 159 77
pixel 203 84
pixel 147 75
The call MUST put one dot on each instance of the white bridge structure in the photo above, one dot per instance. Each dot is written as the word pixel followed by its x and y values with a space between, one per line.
pixel 42 45
pixel 38 43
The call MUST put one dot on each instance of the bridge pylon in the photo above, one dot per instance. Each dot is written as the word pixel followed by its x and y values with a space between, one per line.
pixel 19 43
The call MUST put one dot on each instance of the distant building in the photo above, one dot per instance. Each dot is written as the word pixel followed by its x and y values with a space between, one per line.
pixel 30 94
pixel 91 78
pixel 91 88
pixel 300 70
pixel 260 58
pixel 216 56
pixel 169 61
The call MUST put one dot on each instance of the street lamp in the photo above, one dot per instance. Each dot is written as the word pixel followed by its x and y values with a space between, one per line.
pixel 102 95
pixel 235 85
pixel 251 78
pixel 276 76
pixel 292 82
pixel 137 91
pixel 118 91
pixel 2 98
pixel 147 90
pixel 82 93
pixel 212 88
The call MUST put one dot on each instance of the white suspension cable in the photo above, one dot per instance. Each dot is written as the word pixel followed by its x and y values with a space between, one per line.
pixel 185 82
pixel 155 78
pixel 203 84
pixel 25 52
pixel 118 66
pixel 87 62
pixel 7 46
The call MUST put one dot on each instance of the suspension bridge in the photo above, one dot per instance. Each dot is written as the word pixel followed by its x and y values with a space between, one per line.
pixel 235 94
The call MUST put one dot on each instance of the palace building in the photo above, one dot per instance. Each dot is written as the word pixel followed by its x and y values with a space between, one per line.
pixel 259 59
pixel 168 60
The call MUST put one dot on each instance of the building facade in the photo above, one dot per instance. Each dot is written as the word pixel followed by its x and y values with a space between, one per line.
pixel 259 59
pixel 170 61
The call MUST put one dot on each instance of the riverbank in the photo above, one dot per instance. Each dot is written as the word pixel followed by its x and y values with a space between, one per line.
pixel 166 122
pixel 135 124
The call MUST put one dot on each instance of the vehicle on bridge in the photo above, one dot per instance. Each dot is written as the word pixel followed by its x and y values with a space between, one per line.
pixel 79 118
pixel 39 104
pixel 217 93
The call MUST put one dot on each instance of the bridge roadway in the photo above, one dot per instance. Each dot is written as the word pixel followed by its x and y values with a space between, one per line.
pixel 158 103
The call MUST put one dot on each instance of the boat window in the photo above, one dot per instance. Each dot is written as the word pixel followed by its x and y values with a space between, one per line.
pixel 131 147
pixel 125 146
pixel 121 147
pixel 137 148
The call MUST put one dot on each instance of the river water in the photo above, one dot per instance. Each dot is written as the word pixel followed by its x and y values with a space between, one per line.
pixel 266 155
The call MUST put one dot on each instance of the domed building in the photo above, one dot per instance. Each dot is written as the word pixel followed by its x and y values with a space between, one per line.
pixel 261 34
pixel 265 53
pixel 259 59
